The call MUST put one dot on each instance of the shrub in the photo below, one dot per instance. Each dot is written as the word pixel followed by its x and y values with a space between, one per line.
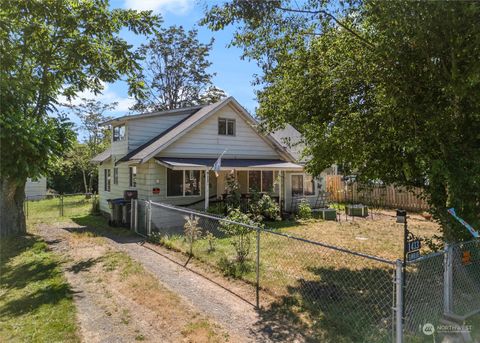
pixel 304 210
pixel 212 241
pixel 269 208
pixel 262 207
pixel 233 268
pixel 240 236
pixel 192 232
pixel 217 208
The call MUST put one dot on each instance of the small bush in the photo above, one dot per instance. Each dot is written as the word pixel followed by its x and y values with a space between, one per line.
pixel 217 208
pixel 212 241
pixel 304 210
pixel 263 207
pixel 233 268
pixel 192 232
pixel 239 235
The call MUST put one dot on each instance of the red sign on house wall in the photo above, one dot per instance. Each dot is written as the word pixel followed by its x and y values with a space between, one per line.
pixel 156 190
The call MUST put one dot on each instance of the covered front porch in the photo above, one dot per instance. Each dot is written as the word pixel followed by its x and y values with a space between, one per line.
pixel 243 176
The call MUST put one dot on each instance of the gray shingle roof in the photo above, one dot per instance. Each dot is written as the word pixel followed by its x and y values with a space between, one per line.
pixel 103 156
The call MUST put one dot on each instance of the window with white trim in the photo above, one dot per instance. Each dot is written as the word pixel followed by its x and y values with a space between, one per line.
pixel 115 176
pixel 226 127
pixel 132 176
pixel 106 180
pixel 118 133
pixel 302 185
pixel 261 181
pixel 183 183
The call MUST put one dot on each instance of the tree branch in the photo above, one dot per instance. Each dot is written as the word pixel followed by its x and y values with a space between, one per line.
pixel 351 31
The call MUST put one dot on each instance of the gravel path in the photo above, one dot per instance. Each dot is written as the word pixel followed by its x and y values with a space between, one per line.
pixel 210 298
pixel 97 311
pixel 229 310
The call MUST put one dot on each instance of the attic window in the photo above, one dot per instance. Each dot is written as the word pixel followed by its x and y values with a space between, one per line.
pixel 226 127
pixel 119 133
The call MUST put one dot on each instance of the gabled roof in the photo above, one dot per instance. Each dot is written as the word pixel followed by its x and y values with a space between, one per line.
pixel 137 150
pixel 103 156
pixel 177 111
pixel 155 145
pixel 292 140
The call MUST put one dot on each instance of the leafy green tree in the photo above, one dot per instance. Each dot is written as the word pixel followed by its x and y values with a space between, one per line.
pixel 91 114
pixel 175 70
pixel 388 89
pixel 211 95
pixel 52 48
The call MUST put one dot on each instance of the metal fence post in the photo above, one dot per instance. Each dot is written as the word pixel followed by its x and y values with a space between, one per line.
pixel 149 224
pixel 257 270
pixel 132 213
pixel 399 302
pixel 61 205
pixel 448 279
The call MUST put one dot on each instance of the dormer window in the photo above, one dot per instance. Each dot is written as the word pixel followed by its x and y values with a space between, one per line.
pixel 119 133
pixel 226 127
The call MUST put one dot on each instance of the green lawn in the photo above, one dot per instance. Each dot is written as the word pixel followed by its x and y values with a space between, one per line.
pixel 50 210
pixel 36 302
pixel 331 296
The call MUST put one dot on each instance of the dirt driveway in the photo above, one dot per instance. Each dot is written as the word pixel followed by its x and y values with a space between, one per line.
pixel 126 291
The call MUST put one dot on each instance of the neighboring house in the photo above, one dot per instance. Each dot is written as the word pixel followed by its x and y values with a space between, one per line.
pixel 36 188
pixel 168 157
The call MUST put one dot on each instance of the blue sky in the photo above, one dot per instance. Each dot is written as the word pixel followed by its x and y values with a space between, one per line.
pixel 233 75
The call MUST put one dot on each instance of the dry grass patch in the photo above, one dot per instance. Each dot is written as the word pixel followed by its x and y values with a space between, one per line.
pixel 170 312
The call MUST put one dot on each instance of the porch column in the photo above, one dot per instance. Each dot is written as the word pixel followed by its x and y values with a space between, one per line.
pixel 207 189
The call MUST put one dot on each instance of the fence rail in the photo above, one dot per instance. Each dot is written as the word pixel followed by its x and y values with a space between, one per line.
pixel 374 195
pixel 59 205
pixel 332 293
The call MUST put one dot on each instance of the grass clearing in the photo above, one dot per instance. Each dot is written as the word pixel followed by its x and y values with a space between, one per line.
pixel 48 210
pixel 36 303
pixel 317 288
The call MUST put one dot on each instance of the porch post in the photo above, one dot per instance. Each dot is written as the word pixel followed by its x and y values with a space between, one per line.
pixel 207 186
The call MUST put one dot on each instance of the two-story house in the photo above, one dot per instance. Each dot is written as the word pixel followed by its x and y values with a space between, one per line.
pixel 168 157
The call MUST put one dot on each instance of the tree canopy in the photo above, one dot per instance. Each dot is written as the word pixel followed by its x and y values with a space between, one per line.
pixel 52 48
pixel 388 89
pixel 175 70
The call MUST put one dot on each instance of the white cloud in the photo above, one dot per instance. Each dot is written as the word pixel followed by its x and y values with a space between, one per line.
pixel 107 96
pixel 178 7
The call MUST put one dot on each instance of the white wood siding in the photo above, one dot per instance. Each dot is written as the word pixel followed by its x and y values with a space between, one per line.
pixel 116 191
pixel 141 131
pixel 36 189
pixel 319 185
pixel 204 140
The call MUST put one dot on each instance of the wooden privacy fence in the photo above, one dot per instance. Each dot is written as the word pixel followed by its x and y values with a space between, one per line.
pixel 376 195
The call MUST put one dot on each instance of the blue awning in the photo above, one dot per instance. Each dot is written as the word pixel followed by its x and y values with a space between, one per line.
pixel 227 164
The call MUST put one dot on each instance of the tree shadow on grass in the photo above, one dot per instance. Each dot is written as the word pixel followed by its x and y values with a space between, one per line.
pixel 52 294
pixel 31 276
pixel 84 265
pixel 98 226
pixel 336 305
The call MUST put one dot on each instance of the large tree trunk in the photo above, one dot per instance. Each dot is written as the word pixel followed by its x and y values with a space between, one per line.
pixel 12 218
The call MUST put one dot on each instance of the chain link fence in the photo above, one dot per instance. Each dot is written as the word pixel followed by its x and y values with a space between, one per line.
pixel 330 293
pixel 442 288
pixel 64 205
pixel 327 292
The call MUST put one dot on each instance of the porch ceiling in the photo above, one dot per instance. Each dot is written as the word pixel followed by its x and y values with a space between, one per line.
pixel 227 164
